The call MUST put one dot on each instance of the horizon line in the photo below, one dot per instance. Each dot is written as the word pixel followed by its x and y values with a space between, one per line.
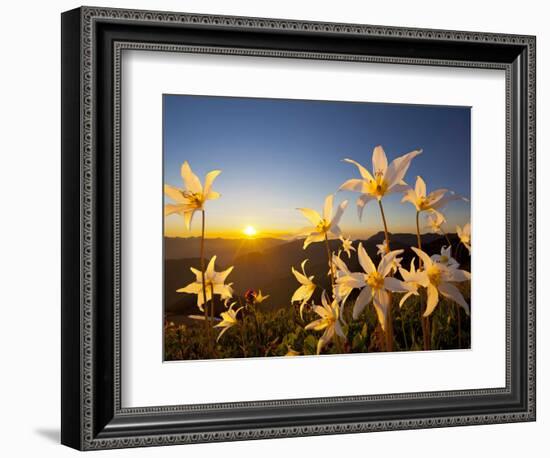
pixel 244 237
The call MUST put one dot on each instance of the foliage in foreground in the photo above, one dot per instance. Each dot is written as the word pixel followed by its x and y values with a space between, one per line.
pixel 281 333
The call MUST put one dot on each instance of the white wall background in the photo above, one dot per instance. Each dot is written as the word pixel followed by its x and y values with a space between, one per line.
pixel 30 240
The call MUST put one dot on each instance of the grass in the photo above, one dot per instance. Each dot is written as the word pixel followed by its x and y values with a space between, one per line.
pixel 262 333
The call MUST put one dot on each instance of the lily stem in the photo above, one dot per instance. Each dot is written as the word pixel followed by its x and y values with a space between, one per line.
pixel 403 330
pixel 389 316
pixel 425 320
pixel 257 328
pixel 205 305
pixel 386 235
pixel 418 238
pixel 242 338
pixel 459 324
pixel 212 303
pixel 448 240
pixel 389 326
pixel 212 306
pixel 330 263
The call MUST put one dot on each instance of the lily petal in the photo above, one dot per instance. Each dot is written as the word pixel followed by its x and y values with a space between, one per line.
pixel 365 296
pixel 212 195
pixel 316 325
pixel 303 293
pixel 302 305
pixel 395 285
pixel 354 184
pixel 312 238
pixel 174 193
pixel 365 260
pixel 225 291
pixel 171 209
pixel 362 170
pixel 381 302
pixel 420 187
pixel 340 264
pixel 327 209
pixel 405 297
pixel 221 276
pixel 210 268
pixel 439 201
pixel 451 292
pixel 398 168
pixel 339 330
pixel 188 218
pixel 208 180
pixel 433 300
pixel 191 288
pixel 336 230
pixel 362 201
pixel 397 188
pixel 457 275
pixel 379 160
pixel 422 255
pixel 311 215
pixel 192 182
pixel 300 277
pixel 386 263
pixel 339 213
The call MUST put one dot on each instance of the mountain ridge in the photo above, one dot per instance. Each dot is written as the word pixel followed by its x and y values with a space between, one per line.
pixel 269 269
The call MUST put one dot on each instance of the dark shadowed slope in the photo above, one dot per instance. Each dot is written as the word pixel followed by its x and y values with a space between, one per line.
pixel 226 250
pixel 269 267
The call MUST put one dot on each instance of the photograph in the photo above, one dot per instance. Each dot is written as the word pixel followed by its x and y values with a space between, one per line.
pixel 267 219
pixel 312 227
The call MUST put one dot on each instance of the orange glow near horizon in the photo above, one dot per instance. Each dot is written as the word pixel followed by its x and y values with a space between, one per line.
pixel 289 226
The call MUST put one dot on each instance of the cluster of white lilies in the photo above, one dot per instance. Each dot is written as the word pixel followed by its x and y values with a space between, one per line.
pixel 429 276
pixel 436 274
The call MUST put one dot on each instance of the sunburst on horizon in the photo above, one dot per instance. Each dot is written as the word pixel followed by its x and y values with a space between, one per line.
pixel 250 231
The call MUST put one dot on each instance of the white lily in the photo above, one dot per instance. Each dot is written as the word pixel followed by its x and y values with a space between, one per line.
pixel 329 321
pixel 435 220
pixel 306 289
pixel 434 200
pixel 374 283
pixel 465 234
pixel 395 265
pixel 438 279
pixel 325 225
pixel 340 266
pixel 228 320
pixel 347 245
pixel 445 258
pixel 382 248
pixel 193 196
pixel 409 278
pixel 260 297
pixel 341 289
pixel 214 283
pixel 385 179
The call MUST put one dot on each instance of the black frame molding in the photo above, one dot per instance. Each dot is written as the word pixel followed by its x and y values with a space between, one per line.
pixel 93 40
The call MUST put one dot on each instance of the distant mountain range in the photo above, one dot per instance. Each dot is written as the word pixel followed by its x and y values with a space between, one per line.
pixel 266 264
pixel 226 250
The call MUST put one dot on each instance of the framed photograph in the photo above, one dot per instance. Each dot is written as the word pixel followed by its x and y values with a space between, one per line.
pixel 276 228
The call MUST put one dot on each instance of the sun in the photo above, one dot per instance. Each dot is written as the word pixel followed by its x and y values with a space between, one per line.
pixel 250 231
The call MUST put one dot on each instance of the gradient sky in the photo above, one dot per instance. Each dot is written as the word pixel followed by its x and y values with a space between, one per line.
pixel 277 155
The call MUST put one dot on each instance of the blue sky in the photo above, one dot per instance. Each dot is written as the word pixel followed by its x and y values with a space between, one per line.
pixel 277 155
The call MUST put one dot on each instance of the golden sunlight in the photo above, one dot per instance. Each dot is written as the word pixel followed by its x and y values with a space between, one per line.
pixel 250 231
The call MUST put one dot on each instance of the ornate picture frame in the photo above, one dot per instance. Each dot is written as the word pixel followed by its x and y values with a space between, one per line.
pixel 93 416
